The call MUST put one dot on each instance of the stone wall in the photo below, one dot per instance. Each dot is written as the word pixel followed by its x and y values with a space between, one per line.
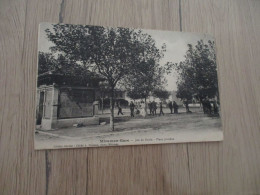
pixel 75 103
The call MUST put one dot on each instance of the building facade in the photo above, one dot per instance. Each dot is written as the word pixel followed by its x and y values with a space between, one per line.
pixel 60 103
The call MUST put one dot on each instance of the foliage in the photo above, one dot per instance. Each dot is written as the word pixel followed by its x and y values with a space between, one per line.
pixel 162 94
pixel 114 53
pixel 60 65
pixel 184 92
pixel 140 84
pixel 198 72
pixel 46 62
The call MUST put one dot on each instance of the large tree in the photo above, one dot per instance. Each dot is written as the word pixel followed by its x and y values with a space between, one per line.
pixel 111 52
pixel 150 75
pixel 46 63
pixel 184 92
pixel 197 74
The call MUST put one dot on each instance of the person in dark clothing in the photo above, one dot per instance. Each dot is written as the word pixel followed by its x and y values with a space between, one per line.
pixel 132 108
pixel 187 107
pixel 170 106
pixel 215 108
pixel 119 109
pixel 175 107
pixel 161 109
pixel 204 106
pixel 150 107
pixel 209 107
pixel 154 108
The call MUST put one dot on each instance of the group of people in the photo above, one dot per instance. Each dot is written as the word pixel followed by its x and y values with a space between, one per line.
pixel 173 105
pixel 132 107
pixel 152 108
pixel 208 108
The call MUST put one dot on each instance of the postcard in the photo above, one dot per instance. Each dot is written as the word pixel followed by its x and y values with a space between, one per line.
pixel 113 86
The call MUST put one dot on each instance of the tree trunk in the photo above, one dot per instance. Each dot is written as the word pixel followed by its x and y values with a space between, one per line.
pixel 102 106
pixel 112 110
pixel 145 107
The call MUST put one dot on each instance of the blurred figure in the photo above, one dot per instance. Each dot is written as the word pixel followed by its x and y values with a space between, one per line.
pixel 150 107
pixel 161 109
pixel 215 108
pixel 154 108
pixel 206 106
pixel 119 109
pixel 175 107
pixel 132 108
pixel 171 106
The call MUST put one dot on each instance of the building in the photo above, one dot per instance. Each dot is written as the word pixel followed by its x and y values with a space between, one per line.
pixel 65 100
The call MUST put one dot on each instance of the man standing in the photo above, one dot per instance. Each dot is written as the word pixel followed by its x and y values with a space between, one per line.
pixel 170 106
pixel 154 107
pixel 150 107
pixel 209 107
pixel 175 107
pixel 119 109
pixel 161 109
pixel 132 108
pixel 215 107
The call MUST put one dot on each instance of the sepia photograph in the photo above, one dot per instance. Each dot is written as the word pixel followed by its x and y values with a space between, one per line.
pixel 112 86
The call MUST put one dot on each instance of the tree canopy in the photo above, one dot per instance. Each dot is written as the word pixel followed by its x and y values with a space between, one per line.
pixel 116 54
pixel 46 62
pixel 65 70
pixel 112 52
pixel 197 74
pixel 162 94
pixel 140 84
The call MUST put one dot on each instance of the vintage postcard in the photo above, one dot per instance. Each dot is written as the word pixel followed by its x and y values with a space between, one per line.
pixel 108 86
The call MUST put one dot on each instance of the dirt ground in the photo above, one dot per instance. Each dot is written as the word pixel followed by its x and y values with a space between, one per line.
pixel 181 127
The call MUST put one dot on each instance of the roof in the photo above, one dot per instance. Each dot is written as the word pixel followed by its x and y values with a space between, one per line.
pixel 89 80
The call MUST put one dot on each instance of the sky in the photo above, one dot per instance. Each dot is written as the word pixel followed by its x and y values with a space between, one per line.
pixel 176 46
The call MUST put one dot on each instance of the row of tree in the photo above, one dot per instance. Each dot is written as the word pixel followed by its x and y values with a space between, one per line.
pixel 125 58
pixel 197 74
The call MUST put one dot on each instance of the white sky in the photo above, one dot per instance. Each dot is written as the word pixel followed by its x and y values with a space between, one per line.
pixel 176 46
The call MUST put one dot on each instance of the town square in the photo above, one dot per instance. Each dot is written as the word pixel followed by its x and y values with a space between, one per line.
pixel 104 86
